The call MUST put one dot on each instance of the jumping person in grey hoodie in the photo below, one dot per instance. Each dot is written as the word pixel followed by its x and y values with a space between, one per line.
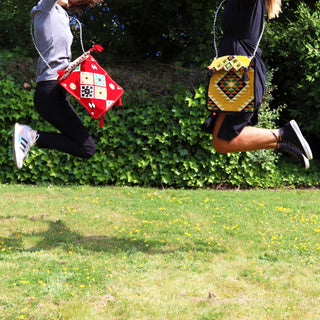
pixel 53 39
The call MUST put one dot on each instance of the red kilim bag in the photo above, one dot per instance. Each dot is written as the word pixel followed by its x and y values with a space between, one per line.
pixel 87 81
pixel 91 85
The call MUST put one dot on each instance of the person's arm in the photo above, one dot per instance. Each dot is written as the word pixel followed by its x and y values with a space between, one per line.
pixel 46 5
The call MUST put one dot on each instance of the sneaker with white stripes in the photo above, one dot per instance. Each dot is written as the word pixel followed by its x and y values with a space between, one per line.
pixel 22 142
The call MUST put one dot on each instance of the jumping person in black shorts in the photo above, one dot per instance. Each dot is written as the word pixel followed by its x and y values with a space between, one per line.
pixel 242 22
pixel 53 38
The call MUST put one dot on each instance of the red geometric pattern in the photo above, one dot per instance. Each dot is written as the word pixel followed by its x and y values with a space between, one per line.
pixel 91 85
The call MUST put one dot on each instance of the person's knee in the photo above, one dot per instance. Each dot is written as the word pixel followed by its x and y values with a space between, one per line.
pixel 89 152
pixel 220 145
pixel 220 149
pixel 88 149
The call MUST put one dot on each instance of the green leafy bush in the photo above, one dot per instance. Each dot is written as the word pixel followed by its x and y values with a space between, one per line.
pixel 153 140
pixel 296 52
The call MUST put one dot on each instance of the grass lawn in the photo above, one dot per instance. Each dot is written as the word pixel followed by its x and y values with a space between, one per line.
pixel 134 253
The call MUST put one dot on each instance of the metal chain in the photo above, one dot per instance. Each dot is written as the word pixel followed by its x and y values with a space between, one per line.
pixel 35 45
pixel 214 27
pixel 80 26
pixel 214 32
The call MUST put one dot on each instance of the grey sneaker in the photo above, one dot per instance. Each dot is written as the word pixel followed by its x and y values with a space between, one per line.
pixel 295 152
pixel 290 134
pixel 22 142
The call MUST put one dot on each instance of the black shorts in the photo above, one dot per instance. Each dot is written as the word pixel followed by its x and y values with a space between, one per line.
pixel 232 124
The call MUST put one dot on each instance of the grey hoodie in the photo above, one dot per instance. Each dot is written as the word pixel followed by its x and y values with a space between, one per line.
pixel 53 38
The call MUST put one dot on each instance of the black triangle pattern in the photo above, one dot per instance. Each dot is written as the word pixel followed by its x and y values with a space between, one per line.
pixel 231 84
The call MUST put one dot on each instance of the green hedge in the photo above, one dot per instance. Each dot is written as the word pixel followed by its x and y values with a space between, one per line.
pixel 152 140
pixel 297 61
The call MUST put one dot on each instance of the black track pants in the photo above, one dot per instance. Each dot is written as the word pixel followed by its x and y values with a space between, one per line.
pixel 52 103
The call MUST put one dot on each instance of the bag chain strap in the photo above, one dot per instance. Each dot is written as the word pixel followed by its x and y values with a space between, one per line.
pixel 214 32
pixel 40 54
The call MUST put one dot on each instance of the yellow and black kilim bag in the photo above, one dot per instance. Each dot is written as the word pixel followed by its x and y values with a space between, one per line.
pixel 231 85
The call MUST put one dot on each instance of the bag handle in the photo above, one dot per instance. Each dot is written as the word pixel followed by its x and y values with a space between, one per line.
pixel 35 45
pixel 63 74
pixel 214 32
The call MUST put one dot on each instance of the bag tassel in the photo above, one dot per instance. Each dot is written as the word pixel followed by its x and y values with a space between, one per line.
pixel 102 121
pixel 245 76
pixel 210 73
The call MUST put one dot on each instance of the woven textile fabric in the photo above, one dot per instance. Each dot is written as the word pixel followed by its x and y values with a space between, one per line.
pixel 231 85
pixel 91 85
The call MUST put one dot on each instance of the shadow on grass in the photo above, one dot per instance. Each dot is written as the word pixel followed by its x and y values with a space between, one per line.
pixel 58 235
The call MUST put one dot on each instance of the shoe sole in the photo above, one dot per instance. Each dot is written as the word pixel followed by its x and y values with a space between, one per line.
pixel 303 141
pixel 306 162
pixel 15 144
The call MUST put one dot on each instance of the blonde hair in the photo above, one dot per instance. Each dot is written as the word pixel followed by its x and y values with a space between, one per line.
pixel 273 8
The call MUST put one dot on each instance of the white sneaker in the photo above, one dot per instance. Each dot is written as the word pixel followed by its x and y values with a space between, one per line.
pixel 22 142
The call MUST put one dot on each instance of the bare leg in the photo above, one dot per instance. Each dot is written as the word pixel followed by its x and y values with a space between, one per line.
pixel 249 139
